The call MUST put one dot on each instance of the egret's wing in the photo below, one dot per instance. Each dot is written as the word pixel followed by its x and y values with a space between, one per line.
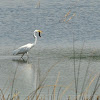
pixel 21 50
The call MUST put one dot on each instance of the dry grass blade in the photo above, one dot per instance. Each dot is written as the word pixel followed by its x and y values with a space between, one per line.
pixel 84 80
pixel 66 15
pixel 5 84
pixel 37 97
pixel 96 87
pixel 49 70
pixel 53 86
pixel 58 93
pixel 7 89
pixel 67 87
pixel 86 91
pixel 13 82
pixel 68 97
pixel 3 98
pixel 98 97
pixel 80 60
pixel 8 97
pixel 48 93
pixel 56 85
pixel 15 95
pixel 28 97
pixel 74 64
pixel 40 90
pixel 70 18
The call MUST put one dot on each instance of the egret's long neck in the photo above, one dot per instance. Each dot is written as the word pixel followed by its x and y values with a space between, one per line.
pixel 35 39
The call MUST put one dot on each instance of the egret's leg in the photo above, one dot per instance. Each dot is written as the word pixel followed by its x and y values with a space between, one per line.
pixel 22 56
pixel 27 55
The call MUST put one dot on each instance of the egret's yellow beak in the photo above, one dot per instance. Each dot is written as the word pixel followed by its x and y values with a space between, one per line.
pixel 39 32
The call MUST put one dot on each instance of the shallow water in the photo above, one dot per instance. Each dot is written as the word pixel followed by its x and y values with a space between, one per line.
pixel 18 20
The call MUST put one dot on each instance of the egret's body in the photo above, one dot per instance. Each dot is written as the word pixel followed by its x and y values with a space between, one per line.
pixel 25 48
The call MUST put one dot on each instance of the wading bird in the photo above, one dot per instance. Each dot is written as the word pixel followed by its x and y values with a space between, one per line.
pixel 25 48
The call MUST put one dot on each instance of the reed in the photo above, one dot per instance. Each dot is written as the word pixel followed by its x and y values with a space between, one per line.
pixel 84 93
pixel 53 96
pixel 58 91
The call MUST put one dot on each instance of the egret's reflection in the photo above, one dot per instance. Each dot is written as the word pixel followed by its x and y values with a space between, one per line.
pixel 28 72
pixel 20 61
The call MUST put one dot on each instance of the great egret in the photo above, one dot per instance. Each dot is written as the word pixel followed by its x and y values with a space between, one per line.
pixel 25 48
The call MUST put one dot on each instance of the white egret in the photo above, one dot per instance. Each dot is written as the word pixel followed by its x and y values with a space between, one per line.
pixel 25 48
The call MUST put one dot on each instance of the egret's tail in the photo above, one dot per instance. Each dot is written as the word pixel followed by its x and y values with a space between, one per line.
pixel 15 52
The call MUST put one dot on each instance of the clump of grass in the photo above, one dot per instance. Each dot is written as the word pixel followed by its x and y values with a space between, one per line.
pixel 58 91
pixel 14 97
pixel 37 94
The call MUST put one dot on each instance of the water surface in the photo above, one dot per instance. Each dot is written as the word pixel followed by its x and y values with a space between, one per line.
pixel 18 20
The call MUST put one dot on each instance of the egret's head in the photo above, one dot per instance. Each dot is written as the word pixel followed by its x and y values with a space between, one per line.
pixel 38 31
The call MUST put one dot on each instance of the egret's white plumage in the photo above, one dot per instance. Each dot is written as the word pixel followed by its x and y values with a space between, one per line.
pixel 25 48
